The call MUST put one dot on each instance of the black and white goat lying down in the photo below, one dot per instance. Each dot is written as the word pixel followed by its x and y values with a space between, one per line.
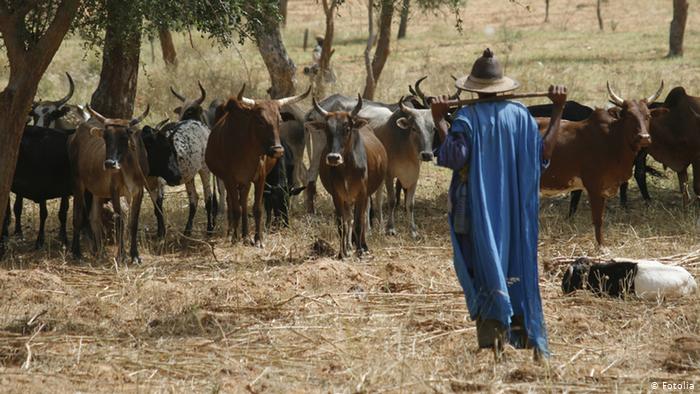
pixel 644 278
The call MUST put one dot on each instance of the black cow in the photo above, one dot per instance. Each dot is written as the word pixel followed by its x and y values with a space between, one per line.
pixel 279 187
pixel 42 173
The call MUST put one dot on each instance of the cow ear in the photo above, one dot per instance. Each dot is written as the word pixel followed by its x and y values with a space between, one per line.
pixel 656 112
pixel 96 132
pixel 296 190
pixel 403 123
pixel 615 112
pixel 178 110
pixel 317 125
pixel 147 132
pixel 358 123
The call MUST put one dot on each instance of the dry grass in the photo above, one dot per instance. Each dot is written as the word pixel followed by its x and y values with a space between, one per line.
pixel 283 319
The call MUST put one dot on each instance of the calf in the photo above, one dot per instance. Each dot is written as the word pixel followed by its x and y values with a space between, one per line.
pixel 617 278
pixel 279 187
pixel 108 159
pixel 242 148
pixel 407 137
pixel 353 168
pixel 597 153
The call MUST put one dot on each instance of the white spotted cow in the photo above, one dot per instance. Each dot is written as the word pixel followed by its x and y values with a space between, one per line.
pixel 189 137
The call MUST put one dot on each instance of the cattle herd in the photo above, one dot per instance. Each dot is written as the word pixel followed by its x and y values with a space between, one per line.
pixel 354 145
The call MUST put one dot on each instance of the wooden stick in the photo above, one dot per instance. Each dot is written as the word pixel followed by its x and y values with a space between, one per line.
pixel 462 102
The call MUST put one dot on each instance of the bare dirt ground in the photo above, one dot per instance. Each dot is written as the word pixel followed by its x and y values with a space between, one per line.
pixel 289 318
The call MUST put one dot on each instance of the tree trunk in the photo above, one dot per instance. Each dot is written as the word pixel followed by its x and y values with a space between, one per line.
pixel 27 66
pixel 324 63
pixel 403 23
pixel 167 47
pixel 116 91
pixel 599 13
pixel 283 12
pixel 381 54
pixel 680 15
pixel 370 84
pixel 546 11
pixel 279 65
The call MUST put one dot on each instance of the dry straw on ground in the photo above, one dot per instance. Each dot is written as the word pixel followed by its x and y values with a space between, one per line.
pixel 288 318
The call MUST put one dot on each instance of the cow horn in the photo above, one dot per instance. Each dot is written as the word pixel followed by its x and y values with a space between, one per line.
pixel 200 100
pixel 617 100
pixel 178 95
pixel 100 118
pixel 161 124
pixel 419 92
pixel 358 107
pixel 138 120
pixel 71 89
pixel 406 110
pixel 318 108
pixel 244 100
pixel 656 95
pixel 294 99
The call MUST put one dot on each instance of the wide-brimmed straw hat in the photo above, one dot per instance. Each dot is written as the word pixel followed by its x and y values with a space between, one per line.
pixel 487 77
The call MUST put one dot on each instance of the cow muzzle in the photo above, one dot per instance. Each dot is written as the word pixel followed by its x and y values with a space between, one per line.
pixel 644 140
pixel 111 164
pixel 426 156
pixel 275 151
pixel 334 159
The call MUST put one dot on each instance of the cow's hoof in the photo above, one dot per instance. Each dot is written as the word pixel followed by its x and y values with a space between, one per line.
pixel 39 244
pixel 259 244
pixel 187 233
pixel 136 260
pixel 414 234
pixel 247 241
pixel 391 231
pixel 19 235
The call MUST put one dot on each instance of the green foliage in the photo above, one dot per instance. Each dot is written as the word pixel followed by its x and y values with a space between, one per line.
pixel 436 6
pixel 222 20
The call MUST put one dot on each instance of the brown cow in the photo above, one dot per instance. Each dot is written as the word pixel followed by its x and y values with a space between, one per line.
pixel 407 137
pixel 109 160
pixel 353 169
pixel 676 138
pixel 597 154
pixel 242 148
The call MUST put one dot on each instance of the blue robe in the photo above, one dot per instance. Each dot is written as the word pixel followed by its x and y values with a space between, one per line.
pixel 499 147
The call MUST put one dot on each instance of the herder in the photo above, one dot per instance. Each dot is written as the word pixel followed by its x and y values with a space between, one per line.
pixel 497 153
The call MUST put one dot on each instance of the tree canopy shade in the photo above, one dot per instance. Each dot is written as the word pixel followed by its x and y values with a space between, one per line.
pixel 117 26
pixel 226 21
pixel 32 31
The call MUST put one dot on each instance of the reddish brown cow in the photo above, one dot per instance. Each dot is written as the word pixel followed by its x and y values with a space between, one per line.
pixel 353 169
pixel 676 138
pixel 242 148
pixel 597 154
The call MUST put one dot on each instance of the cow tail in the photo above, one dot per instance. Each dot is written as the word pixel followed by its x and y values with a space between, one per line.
pixel 214 199
pixel 307 141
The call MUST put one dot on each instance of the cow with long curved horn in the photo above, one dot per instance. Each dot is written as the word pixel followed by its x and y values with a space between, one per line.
pixel 614 98
pixel 54 114
pixel 191 109
pixel 242 149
